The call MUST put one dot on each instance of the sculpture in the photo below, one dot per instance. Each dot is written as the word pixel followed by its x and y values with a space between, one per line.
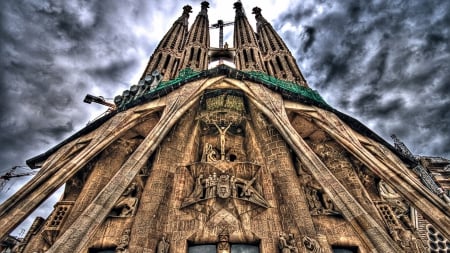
pixel 287 245
pixel 127 203
pixel 222 131
pixel 198 188
pixel 123 242
pixel 311 245
pixel 163 245
pixel 209 153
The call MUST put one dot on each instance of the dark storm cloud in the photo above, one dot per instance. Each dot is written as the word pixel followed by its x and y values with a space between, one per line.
pixel 52 54
pixel 309 37
pixel 384 62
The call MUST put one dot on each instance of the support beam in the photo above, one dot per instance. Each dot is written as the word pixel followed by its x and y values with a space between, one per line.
pixel 77 236
pixel 55 173
pixel 370 232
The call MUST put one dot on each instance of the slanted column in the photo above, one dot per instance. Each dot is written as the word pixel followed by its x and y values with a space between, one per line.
pixel 293 206
pixel 363 224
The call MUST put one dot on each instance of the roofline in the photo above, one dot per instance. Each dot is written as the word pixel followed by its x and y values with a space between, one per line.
pixel 300 94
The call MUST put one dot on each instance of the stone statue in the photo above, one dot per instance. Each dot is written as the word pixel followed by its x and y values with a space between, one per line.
pixel 198 188
pixel 312 245
pixel 292 243
pixel 386 191
pixel 163 245
pixel 123 242
pixel 209 153
pixel 127 203
pixel 287 245
pixel 223 245
pixel 250 193
pixel 222 131
pixel 233 186
pixel 212 185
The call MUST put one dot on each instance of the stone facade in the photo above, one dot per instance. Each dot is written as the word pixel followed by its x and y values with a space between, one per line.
pixel 226 162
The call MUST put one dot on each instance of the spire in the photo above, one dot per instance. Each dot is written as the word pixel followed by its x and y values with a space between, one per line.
pixel 195 54
pixel 278 60
pixel 248 56
pixel 167 55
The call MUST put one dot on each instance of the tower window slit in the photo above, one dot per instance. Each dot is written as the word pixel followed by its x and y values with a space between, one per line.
pixel 198 56
pixel 252 55
pixel 267 67
pixel 202 33
pixel 280 66
pixel 273 67
pixel 166 63
pixel 191 55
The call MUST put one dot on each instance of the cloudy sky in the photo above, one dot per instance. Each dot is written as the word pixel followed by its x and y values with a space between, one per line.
pixel 384 62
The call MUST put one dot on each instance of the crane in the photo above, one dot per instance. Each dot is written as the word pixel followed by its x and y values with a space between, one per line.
pixel 220 24
pixel 12 174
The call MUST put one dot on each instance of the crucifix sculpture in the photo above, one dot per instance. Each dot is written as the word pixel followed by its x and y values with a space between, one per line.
pixel 222 131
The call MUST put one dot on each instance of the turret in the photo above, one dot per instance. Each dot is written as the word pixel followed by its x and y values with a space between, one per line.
pixel 195 54
pixel 248 55
pixel 278 60
pixel 167 55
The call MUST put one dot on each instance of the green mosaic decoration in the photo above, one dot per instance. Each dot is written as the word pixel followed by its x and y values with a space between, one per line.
pixel 289 86
pixel 182 75
pixel 188 75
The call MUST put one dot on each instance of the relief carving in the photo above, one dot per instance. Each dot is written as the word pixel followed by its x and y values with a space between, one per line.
pixel 224 244
pixel 122 246
pixel 312 245
pixel 209 153
pixel 127 203
pixel 225 186
pixel 395 212
pixel 163 245
pixel 318 200
pixel 287 244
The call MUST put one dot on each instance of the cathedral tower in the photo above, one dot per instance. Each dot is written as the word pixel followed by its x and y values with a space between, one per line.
pixel 226 160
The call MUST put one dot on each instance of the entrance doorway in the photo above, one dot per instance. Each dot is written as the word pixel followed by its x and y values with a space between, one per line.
pixel 235 248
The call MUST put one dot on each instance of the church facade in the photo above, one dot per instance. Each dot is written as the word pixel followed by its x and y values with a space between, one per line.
pixel 202 156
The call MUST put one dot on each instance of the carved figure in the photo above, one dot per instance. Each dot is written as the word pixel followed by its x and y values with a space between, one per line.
pixel 250 193
pixel 292 243
pixel 233 186
pixel 222 131
pixel 223 186
pixel 285 244
pixel 212 189
pixel 313 198
pixel 223 244
pixel 209 153
pixel 127 203
pixel 208 186
pixel 123 242
pixel 410 243
pixel 198 188
pixel 386 191
pixel 163 245
pixel 311 245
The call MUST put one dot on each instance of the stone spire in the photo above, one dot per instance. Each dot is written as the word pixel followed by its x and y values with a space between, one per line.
pixel 248 56
pixel 278 60
pixel 195 54
pixel 167 55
